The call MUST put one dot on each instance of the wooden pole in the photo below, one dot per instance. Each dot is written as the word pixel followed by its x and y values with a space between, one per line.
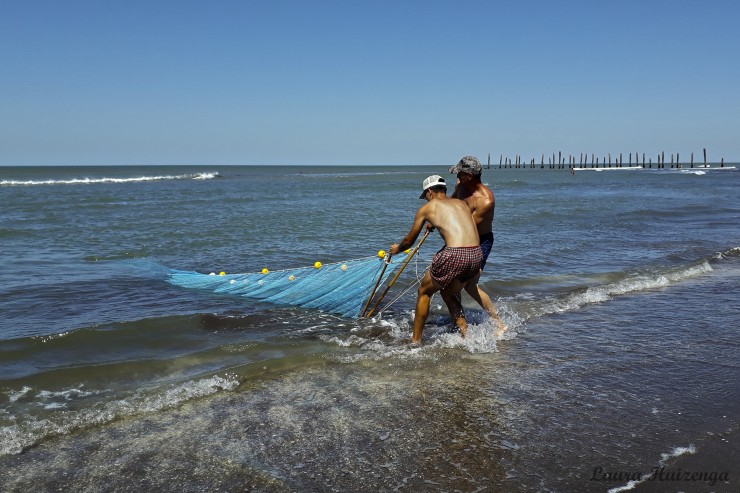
pixel 375 288
pixel 411 255
pixel 705 157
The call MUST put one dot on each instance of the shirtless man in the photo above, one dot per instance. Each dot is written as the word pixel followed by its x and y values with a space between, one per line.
pixel 454 267
pixel 482 203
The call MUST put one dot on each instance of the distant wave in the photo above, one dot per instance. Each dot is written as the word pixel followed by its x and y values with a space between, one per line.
pixel 93 181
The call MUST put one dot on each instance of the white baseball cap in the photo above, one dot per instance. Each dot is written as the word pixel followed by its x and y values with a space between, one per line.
pixel 431 181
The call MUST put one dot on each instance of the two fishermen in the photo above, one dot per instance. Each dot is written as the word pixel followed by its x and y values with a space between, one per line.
pixel 464 221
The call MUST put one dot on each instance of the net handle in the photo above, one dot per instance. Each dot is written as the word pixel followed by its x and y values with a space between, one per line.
pixel 399 272
pixel 380 278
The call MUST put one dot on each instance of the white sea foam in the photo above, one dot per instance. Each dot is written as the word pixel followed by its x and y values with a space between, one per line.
pixel 15 438
pixel 93 181
pixel 676 452
pixel 13 396
pixel 732 252
pixel 632 284
pixel 480 338
pixel 67 394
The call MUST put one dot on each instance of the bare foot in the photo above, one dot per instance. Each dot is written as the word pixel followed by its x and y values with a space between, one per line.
pixel 502 327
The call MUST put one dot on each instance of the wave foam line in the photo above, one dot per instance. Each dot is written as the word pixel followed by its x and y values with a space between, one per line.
pixel 631 284
pixel 729 253
pixel 93 181
pixel 676 452
pixel 16 438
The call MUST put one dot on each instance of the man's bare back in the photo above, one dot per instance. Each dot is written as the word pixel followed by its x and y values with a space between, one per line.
pixel 452 218
pixel 481 202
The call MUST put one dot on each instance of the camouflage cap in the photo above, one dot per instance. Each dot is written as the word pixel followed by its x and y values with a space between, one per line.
pixel 468 164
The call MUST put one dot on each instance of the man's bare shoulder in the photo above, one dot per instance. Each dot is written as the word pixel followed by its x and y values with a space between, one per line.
pixel 484 193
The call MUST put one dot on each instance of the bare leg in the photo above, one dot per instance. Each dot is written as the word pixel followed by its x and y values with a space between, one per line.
pixel 426 289
pixel 451 297
pixel 480 296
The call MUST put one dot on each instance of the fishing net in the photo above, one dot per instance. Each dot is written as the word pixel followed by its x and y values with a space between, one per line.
pixel 342 288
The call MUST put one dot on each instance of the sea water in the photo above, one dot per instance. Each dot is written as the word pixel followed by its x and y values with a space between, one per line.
pixel 620 289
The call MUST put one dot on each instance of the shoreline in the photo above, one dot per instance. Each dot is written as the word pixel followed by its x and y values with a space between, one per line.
pixel 713 467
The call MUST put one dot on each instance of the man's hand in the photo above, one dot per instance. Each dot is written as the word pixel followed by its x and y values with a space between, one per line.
pixel 393 249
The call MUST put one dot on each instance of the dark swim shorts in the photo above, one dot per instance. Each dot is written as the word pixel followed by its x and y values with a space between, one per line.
pixel 486 243
pixel 455 263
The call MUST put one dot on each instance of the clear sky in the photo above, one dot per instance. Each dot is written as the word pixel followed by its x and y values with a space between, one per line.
pixel 344 82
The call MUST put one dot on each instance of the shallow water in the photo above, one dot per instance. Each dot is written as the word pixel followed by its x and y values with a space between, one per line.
pixel 619 288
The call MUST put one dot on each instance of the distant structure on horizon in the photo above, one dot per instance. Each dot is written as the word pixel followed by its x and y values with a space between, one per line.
pixel 600 162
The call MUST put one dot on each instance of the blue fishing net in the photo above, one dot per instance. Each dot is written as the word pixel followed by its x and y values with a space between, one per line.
pixel 342 288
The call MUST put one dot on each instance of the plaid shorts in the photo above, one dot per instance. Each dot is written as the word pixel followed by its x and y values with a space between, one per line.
pixel 455 263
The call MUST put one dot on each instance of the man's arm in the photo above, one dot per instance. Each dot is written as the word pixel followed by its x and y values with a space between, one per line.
pixel 482 206
pixel 483 211
pixel 410 238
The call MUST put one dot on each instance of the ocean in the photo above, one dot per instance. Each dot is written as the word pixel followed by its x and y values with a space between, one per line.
pixel 620 370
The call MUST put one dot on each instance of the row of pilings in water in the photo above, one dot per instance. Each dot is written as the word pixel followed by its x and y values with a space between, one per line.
pixel 559 161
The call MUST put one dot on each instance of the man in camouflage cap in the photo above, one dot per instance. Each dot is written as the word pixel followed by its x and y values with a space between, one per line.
pixel 481 202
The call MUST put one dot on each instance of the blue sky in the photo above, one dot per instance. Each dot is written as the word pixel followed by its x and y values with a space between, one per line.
pixel 365 82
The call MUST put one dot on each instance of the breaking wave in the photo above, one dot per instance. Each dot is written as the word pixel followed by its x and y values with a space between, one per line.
pixel 28 432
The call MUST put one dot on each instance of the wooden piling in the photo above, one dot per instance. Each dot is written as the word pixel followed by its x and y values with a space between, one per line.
pixel 705 157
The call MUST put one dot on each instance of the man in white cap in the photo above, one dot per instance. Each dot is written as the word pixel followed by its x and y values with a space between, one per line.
pixel 481 201
pixel 454 267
